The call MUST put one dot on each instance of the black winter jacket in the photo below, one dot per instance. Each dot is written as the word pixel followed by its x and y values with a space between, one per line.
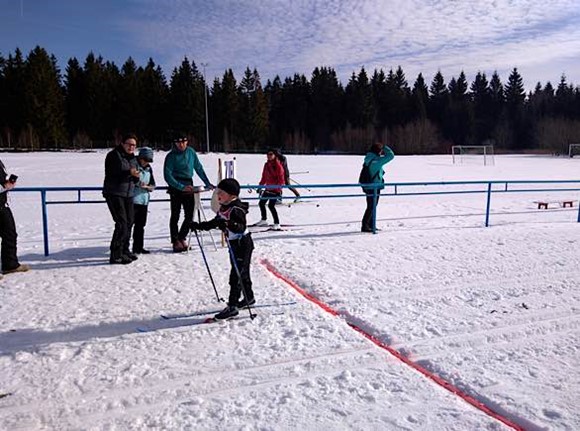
pixel 118 178
pixel 232 216
pixel 3 179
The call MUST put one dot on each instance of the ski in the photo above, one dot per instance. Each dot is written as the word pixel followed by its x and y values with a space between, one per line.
pixel 203 313
pixel 178 323
pixel 204 321
pixel 271 229
pixel 300 202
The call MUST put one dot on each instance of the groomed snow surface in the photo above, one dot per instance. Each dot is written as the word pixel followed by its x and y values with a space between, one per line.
pixel 493 311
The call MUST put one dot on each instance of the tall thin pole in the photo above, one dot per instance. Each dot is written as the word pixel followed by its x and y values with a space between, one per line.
pixel 206 116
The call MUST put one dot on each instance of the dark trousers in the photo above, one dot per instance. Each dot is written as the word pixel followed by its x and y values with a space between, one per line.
pixel 139 227
pixel 121 209
pixel 8 235
pixel 178 200
pixel 242 250
pixel 270 198
pixel 367 220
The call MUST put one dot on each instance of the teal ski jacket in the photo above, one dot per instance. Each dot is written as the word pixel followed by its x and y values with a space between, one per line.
pixel 375 162
pixel 179 166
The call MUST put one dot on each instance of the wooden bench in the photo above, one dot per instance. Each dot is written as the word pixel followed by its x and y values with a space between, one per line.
pixel 563 204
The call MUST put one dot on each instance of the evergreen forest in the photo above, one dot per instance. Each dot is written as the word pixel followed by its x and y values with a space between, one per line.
pixel 91 103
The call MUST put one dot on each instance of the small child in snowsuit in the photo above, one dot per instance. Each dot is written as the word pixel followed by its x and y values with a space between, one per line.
pixel 231 219
pixel 141 199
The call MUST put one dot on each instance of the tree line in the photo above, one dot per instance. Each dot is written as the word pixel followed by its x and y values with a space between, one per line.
pixel 90 105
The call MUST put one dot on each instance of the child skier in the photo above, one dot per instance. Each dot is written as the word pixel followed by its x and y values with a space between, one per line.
pixel 231 219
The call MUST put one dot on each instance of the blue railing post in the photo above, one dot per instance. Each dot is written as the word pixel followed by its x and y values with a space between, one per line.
pixel 44 221
pixel 488 204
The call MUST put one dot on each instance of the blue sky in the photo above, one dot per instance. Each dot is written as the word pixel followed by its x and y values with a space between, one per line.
pixel 283 37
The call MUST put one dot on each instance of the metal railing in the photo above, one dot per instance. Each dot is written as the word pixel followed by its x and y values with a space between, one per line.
pixel 390 189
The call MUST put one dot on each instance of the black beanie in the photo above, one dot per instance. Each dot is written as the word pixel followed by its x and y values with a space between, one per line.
pixel 230 186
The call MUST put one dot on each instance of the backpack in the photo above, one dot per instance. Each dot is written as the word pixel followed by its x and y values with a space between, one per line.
pixel 365 176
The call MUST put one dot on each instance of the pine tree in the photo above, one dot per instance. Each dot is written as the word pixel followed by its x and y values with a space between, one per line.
pixel 482 115
pixel 419 98
pixel 359 101
pixel 564 101
pixel 497 105
pixel 75 103
pixel 254 111
pixel 45 100
pixel 457 124
pixel 187 102
pixel 260 121
pixel 130 109
pixel 273 92
pixel 379 94
pixel 402 96
pixel 296 101
pixel 101 111
pixel 216 116
pixel 515 96
pixel 14 79
pixel 230 103
pixel 438 100
pixel 153 98
pixel 326 97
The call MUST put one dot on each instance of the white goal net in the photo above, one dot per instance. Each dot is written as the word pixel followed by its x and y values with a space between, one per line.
pixel 573 150
pixel 473 154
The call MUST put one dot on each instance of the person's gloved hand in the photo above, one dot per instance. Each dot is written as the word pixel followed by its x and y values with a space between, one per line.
pixel 210 186
pixel 188 189
pixel 194 225
pixel 222 224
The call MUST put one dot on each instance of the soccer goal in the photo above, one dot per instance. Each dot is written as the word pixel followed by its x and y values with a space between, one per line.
pixel 473 154
pixel 573 150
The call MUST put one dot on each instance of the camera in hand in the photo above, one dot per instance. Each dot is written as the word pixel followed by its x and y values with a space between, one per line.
pixel 12 178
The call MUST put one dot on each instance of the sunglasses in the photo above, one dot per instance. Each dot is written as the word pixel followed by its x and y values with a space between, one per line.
pixel 181 140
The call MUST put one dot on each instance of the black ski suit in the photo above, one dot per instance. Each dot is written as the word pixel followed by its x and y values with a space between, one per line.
pixel 231 219
pixel 7 227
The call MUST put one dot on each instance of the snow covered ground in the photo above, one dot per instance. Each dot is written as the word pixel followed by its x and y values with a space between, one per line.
pixel 494 311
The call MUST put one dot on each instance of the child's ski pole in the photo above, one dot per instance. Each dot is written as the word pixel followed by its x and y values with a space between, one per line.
pixel 207 266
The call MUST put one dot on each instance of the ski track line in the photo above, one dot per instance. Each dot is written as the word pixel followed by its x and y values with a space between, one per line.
pixel 163 384
pixel 505 333
pixel 415 366
pixel 438 351
pixel 425 290
pixel 157 400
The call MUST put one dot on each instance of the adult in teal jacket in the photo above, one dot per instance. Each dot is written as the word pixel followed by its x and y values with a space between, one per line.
pixel 377 157
pixel 178 168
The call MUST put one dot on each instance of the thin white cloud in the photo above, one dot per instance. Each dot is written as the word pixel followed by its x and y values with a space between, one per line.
pixel 284 37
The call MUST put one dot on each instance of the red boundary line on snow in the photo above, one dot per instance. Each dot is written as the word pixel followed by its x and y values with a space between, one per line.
pixel 440 381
